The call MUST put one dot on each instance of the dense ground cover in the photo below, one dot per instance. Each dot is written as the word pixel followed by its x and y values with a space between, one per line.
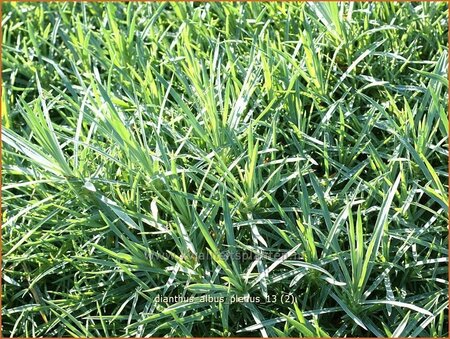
pixel 294 154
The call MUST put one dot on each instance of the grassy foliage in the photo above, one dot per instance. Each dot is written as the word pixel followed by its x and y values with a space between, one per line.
pixel 290 153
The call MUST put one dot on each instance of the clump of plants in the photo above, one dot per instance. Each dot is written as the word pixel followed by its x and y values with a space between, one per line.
pixel 184 169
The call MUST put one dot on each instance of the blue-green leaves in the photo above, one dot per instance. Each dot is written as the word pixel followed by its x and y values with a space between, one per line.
pixel 198 169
